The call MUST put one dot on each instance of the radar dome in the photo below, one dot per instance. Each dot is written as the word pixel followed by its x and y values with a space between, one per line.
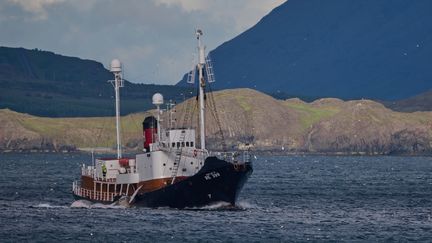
pixel 157 99
pixel 115 65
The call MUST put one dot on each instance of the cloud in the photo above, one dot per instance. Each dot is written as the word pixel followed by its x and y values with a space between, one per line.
pixel 252 12
pixel 243 13
pixel 185 5
pixel 154 38
pixel 36 7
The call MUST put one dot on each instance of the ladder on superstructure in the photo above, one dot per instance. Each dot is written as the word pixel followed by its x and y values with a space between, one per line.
pixel 209 70
pixel 178 154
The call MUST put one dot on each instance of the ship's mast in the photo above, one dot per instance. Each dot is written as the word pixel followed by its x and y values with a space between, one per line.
pixel 201 84
pixel 117 83
pixel 158 100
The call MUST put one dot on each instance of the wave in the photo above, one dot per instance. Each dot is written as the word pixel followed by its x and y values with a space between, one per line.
pixel 246 205
pixel 47 205
pixel 225 206
pixel 217 206
pixel 91 205
pixel 81 204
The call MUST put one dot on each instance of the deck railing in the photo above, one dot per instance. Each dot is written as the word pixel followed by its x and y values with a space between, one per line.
pixel 92 195
pixel 237 157
pixel 102 179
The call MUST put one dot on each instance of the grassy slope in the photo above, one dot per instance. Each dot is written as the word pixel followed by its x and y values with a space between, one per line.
pixel 310 114
pixel 82 132
pixel 246 115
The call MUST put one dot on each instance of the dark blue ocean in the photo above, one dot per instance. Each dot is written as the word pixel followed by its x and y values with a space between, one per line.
pixel 291 198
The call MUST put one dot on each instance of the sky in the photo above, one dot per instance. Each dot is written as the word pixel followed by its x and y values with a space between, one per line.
pixel 154 39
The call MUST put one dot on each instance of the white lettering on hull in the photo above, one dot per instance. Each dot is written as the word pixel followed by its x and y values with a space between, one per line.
pixel 211 175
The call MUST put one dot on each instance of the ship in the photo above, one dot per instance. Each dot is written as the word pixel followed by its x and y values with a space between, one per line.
pixel 172 170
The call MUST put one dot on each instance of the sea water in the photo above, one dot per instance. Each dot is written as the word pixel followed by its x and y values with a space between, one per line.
pixel 289 198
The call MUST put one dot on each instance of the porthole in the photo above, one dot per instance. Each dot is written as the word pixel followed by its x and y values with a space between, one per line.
pixel 164 164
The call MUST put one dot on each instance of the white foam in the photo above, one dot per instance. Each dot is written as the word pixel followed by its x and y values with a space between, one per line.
pixel 47 205
pixel 105 206
pixel 217 205
pixel 88 204
pixel 81 204
pixel 245 205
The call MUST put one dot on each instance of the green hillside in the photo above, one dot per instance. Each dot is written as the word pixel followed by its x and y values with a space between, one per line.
pixel 27 132
pixel 246 116
pixel 47 84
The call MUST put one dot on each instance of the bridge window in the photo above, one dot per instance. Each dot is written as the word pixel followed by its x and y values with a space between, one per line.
pixel 178 144
pixel 173 145
pixel 183 144
pixel 187 144
pixel 192 144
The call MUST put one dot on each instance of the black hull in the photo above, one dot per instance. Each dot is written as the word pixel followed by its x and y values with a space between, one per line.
pixel 217 181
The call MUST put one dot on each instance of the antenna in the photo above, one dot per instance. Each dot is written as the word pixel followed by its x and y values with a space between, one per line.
pixel 198 33
pixel 116 69
pixel 201 49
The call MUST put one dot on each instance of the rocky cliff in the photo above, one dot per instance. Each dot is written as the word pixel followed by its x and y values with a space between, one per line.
pixel 245 116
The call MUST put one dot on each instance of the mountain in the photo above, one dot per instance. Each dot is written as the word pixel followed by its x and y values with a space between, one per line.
pixel 348 49
pixel 420 102
pixel 245 116
pixel 47 84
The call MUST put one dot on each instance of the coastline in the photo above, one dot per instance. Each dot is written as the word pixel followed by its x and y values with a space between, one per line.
pixel 261 152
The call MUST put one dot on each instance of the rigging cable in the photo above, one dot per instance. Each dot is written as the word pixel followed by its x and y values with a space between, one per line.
pixel 216 117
